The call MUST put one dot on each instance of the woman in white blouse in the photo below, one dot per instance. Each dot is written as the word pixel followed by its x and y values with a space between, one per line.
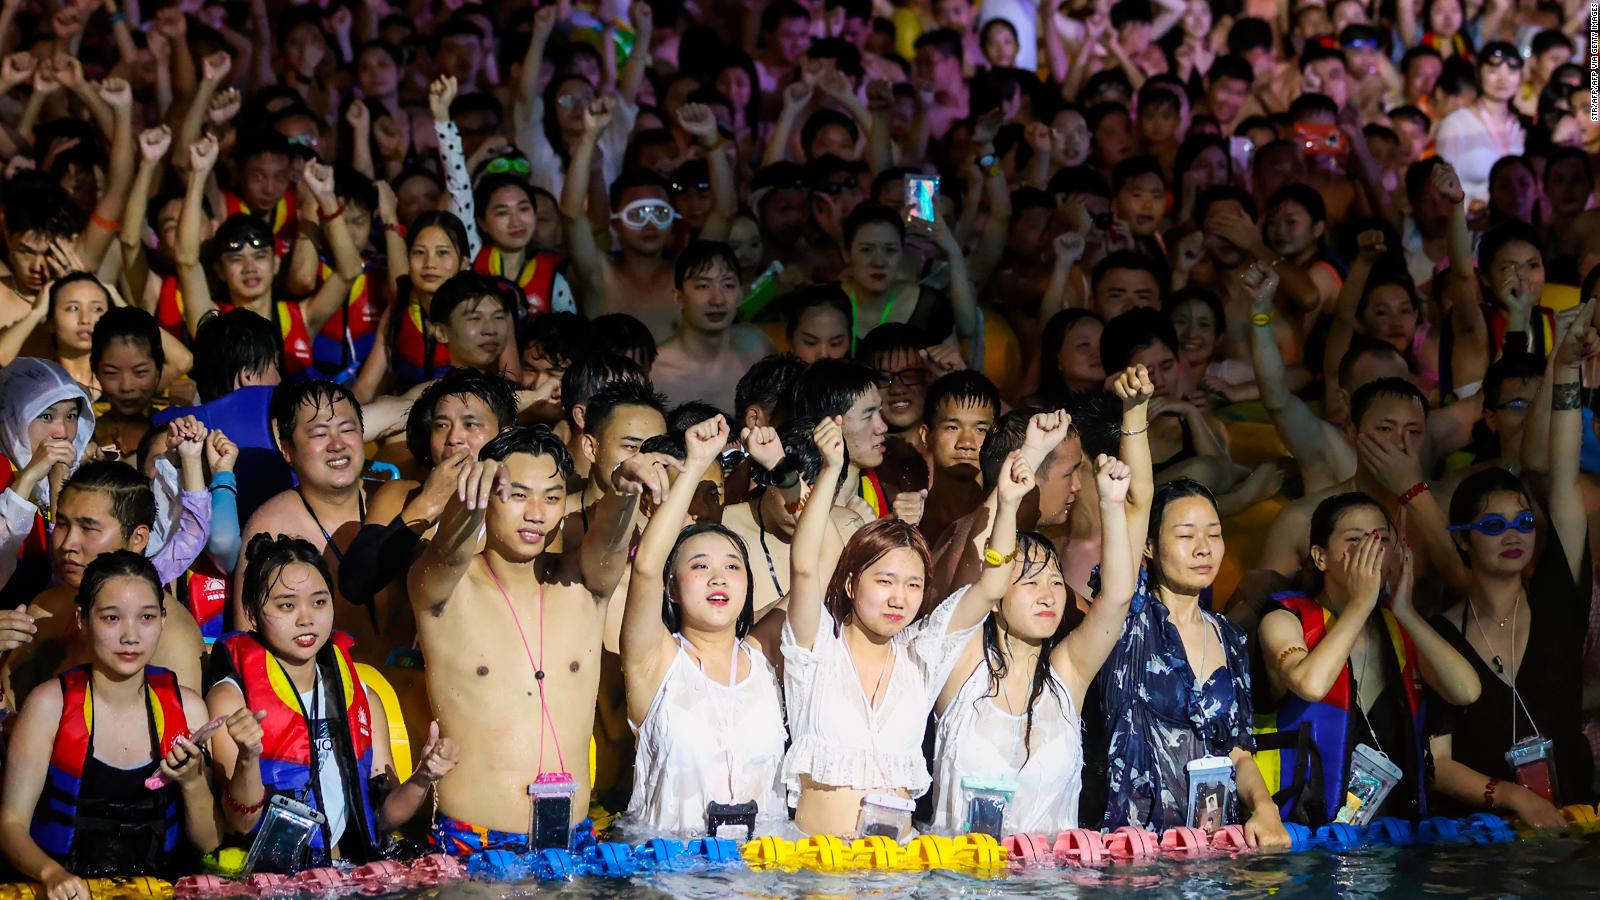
pixel 860 678
pixel 1474 138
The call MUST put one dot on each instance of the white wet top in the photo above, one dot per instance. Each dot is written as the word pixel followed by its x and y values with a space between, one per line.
pixel 978 738
pixel 838 740
pixel 703 741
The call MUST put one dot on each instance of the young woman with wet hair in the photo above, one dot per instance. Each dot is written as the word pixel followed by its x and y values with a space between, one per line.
pixel 1178 682
pixel 861 673
pixel 435 249
pixel 1523 621
pixel 286 684
pixel 1011 709
pixel 76 805
pixel 1351 667
pixel 702 690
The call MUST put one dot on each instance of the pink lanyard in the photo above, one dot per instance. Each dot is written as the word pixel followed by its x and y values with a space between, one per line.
pixel 538 667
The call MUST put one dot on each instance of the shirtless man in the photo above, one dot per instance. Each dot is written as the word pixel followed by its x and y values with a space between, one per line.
pixel 705 358
pixel 958 411
pixel 512 634
pixel 318 429
pixel 639 280
pixel 840 387
pixel 107 506
pixel 586 376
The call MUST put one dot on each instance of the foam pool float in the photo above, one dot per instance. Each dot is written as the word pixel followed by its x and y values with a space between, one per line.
pixel 321 880
pixel 1439 830
pixel 1230 839
pixel 1081 847
pixel 194 886
pixel 978 851
pixel 1581 816
pixel 1339 837
pixel 714 850
pixel 1184 841
pixel 929 851
pixel 662 853
pixel 1029 850
pixel 1390 832
pixel 769 851
pixel 1130 844
pixel 1487 828
pixel 873 852
pixel 822 852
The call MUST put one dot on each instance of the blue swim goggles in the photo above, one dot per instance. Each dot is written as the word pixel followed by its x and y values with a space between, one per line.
pixel 1496 525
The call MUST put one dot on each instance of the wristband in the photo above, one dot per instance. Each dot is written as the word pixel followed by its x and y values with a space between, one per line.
pixel 992 556
pixel 1261 320
pixel 240 808
pixel 1137 432
pixel 1413 492
pixel 338 211
pixel 712 148
pixel 1488 792
pixel 397 229
pixel 97 219
pixel 1288 651
pixel 115 17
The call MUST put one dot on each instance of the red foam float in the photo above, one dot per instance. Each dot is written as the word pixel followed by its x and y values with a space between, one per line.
pixel 1081 847
pixel 1184 841
pixel 1129 843
pixel 1028 850
pixel 1229 839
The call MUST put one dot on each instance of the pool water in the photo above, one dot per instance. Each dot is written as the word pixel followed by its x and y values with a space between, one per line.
pixel 1537 867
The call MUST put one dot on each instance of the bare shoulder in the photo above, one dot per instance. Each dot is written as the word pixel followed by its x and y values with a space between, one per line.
pixel 752 342
pixel 389 499
pixel 283 513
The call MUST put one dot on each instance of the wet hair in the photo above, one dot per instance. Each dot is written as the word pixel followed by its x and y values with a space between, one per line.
pixel 1369 393
pixel 117 564
pixel 1323 520
pixel 624 334
pixel 1305 196
pixel 563 336
pixel 801 448
pixel 671 614
pixel 1202 296
pixel 1165 495
pixel 700 258
pixel 1132 12
pixel 892 337
pixel 1079 180
pixel 1052 383
pixel 534 440
pixel 444 221
pixel 232 344
pixel 1500 236
pixel 872 542
pixel 131 324
pixel 608 399
pixel 826 118
pixel 636 177
pixel 468 286
pixel 872 214
pixel 1470 496
pixel 264 561
pixel 1192 147
pixel 1005 436
pixel 1513 366
pixel 1361 347
pixel 798 302
pixel 70 279
pixel 133 502
pixel 1231 65
pixel 1249 33
pixel 1388 276
pixel 829 387
pixel 493 182
pixel 288 399
pixel 1133 167
pixel 1128 260
pixel 1037 555
pixel 1132 332
pixel 1220 193
pixel 589 373
pixel 238 228
pixel 1097 420
pixel 769 384
pixel 34 204
pixel 495 392
pixel 963 387
pixel 685 416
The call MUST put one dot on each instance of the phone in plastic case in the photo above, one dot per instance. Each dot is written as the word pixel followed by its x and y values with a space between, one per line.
pixel 922 197
pixel 282 836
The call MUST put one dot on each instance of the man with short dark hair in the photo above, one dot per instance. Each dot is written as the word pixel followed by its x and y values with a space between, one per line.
pixel 705 358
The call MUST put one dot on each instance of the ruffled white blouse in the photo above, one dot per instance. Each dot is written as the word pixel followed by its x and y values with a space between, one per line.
pixel 838 740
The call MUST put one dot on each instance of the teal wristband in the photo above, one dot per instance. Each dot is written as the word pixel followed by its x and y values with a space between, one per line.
pixel 116 17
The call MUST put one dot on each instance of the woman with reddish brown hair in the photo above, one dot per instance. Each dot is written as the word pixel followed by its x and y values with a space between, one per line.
pixel 863 666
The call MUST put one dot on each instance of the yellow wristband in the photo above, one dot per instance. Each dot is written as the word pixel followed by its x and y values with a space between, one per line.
pixel 992 556
pixel 1260 319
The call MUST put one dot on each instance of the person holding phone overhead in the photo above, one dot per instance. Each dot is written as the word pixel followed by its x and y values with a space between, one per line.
pixel 881 289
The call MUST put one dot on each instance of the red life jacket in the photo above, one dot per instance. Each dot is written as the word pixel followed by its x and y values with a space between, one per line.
pixel 346 337
pixel 285 216
pixel 33 560
pixel 287 765
pixel 55 816
pixel 169 309
pixel 204 590
pixel 290 317
pixel 413 346
pixel 537 278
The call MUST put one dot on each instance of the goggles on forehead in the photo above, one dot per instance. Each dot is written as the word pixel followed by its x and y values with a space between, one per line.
pixel 1499 56
pixel 1496 525
pixel 568 101
pixel 503 164
pixel 253 239
pixel 1361 43
pixel 641 214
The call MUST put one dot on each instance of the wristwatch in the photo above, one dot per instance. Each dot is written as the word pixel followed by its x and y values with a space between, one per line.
pixel 783 476
pixel 989 163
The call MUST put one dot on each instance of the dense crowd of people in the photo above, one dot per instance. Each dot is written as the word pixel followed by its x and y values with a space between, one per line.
pixel 834 416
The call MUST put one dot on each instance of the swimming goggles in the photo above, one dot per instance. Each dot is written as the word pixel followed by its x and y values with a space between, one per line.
pixel 253 239
pixel 642 214
pixel 1496 525
pixel 503 164
pixel 1499 56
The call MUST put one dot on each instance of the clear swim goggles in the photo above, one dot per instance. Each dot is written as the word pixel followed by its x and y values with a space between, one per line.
pixel 642 214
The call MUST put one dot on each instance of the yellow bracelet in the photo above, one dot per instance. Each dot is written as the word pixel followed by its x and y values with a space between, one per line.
pixel 1260 319
pixel 992 556
pixel 1289 651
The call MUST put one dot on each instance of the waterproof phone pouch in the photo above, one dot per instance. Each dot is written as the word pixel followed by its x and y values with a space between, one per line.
pixel 282 836
pixel 1372 777
pixel 986 800
pixel 733 821
pixel 922 198
pixel 550 823
pixel 1533 760
pixel 887 815
pixel 1210 792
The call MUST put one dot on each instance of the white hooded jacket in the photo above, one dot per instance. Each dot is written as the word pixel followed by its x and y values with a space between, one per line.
pixel 28 387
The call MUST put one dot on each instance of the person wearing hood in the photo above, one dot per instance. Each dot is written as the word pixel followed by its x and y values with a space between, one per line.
pixel 45 425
